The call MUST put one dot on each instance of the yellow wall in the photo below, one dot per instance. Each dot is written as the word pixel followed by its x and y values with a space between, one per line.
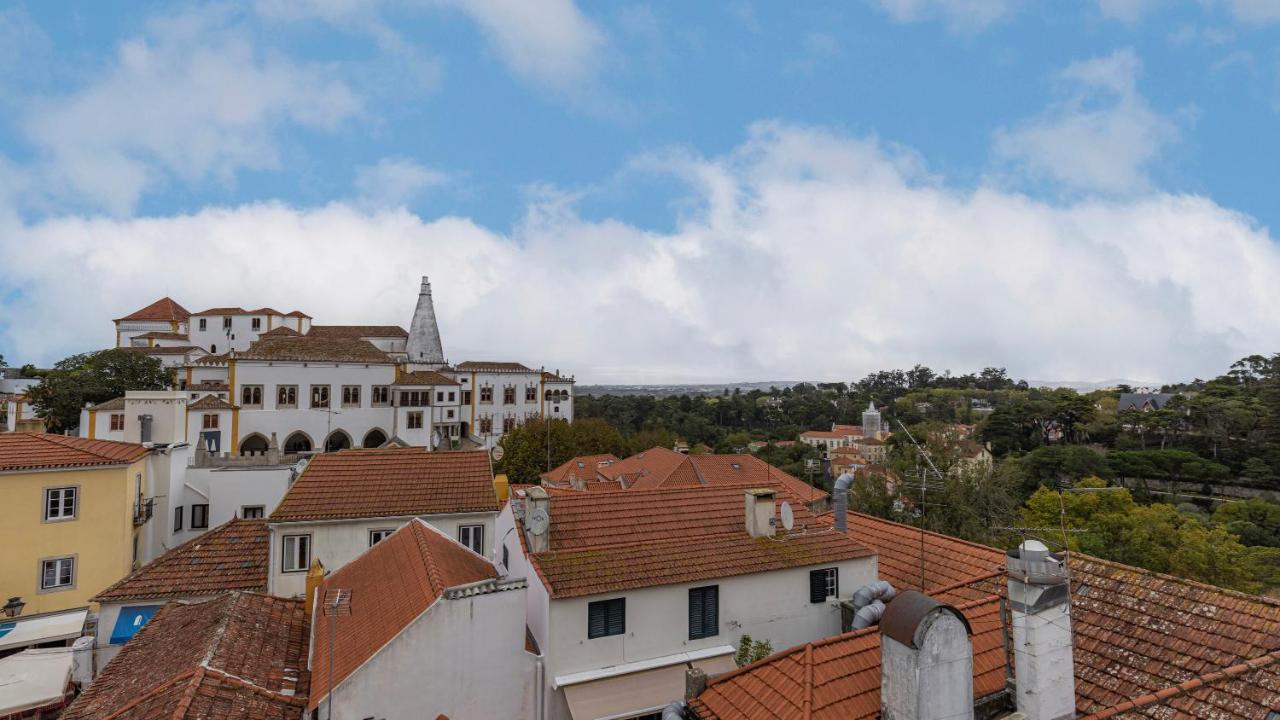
pixel 100 537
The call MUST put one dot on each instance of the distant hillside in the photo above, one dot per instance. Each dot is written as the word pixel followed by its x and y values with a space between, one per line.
pixel 692 389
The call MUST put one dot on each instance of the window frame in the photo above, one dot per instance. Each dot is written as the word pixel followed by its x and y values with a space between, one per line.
pixel 204 519
pixel 261 512
pixel 226 323
pixel 509 395
pixel 179 512
pixel 605 607
pixel 531 393
pixel 382 533
pixel 703 593
pixel 286 390
pixel 204 324
pixel 71 561
pixel 472 529
pixel 256 324
pixel 209 421
pixel 251 390
pixel 61 516
pixel 117 422
pixel 326 391
pixel 414 420
pixel 830 578
pixel 285 554
pixel 350 396
pixel 486 390
pixel 380 396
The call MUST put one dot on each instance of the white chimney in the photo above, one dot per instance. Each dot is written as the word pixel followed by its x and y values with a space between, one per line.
pixel 537 519
pixel 926 660
pixel 759 512
pixel 1039 599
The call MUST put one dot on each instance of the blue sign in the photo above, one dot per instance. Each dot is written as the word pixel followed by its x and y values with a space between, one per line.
pixel 130 621
pixel 7 627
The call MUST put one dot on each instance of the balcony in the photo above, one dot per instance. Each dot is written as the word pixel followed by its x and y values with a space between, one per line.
pixel 142 511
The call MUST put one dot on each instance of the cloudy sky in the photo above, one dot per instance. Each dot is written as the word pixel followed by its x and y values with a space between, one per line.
pixel 659 192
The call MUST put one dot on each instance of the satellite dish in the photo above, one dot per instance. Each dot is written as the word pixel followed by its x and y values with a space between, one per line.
pixel 538 521
pixel 788 517
pixel 497 453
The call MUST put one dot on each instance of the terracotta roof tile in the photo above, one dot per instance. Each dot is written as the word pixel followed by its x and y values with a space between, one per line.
pixel 666 531
pixel 266 311
pixel 424 377
pixel 164 309
pixel 40 451
pixel 313 349
pixel 389 482
pixel 391 584
pixel 486 366
pixel 110 405
pixel 297 313
pixel 586 467
pixel 211 402
pixel 238 655
pixel 163 349
pixel 661 467
pixel 233 556
pixel 281 330
pixel 222 311
pixel 357 331
pixel 155 335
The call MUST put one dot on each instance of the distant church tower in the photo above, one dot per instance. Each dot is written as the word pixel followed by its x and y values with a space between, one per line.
pixel 871 420
pixel 424 346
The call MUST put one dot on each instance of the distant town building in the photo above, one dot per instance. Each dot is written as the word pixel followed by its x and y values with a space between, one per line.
pixel 871 422
pixel 1143 402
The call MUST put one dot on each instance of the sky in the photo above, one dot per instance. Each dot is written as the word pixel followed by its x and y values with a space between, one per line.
pixel 659 192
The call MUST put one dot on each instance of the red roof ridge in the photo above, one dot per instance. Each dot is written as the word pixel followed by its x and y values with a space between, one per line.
pixel 1186 686
pixel 160 688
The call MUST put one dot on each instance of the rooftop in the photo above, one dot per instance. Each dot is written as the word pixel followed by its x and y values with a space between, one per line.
pixel 240 655
pixel 109 405
pixel 281 330
pixel 156 335
pixel 391 584
pixel 389 482
pixel 357 331
pixel 307 348
pixel 486 366
pixel 586 467
pixel 211 402
pixel 162 310
pixel 233 556
pixel 424 377
pixel 21 451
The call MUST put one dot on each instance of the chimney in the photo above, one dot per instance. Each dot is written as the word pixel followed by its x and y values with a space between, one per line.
pixel 1040 602
pixel 576 482
pixel 926 660
pixel 759 512
pixel 840 509
pixel 537 519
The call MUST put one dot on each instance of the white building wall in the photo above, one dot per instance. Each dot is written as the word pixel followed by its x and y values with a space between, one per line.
pixel 233 488
pixel 469 650
pixel 521 410
pixel 127 330
pixel 216 338
pixel 168 473
pixel 317 423
pixel 336 543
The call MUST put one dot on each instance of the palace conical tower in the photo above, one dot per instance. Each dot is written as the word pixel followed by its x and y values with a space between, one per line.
pixel 424 346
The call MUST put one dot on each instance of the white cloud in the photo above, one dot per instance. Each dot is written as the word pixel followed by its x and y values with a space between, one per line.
pixel 1102 137
pixel 804 254
pixel 394 181
pixel 960 15
pixel 549 42
pixel 1126 11
pixel 190 99
pixel 1255 11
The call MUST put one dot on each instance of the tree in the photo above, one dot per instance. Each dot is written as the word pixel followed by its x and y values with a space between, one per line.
pixel 92 377
pixel 1256 521
pixel 750 651
pixel 525 449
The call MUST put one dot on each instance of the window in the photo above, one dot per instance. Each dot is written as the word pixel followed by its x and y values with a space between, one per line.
pixel 117 421
pixel 204 324
pixel 506 558
pixel 486 394
pixel 213 348
pixel 486 425
pixel 226 323
pixel 60 503
pixel 177 519
pixel 472 536
pixel 199 516
pixel 257 324
pixel 509 395
pixel 414 420
pixel 381 395
pixel 466 397
pixel 319 396
pixel 287 396
pixel 350 396
pixel 823 584
pixel 453 395
pixel 449 413
pixel 57 573
pixel 251 396
pixel 531 393
pixel 439 396
pixel 209 421
pixel 250 512
pixel 606 617
pixel 414 398
pixel 704 612
pixel 377 536
pixel 295 553
pixel 508 424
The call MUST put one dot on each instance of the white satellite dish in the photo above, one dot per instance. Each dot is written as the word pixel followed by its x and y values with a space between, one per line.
pixel 788 517
pixel 496 453
pixel 538 521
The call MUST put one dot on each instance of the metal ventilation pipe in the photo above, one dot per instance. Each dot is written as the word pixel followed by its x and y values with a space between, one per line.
pixel 872 591
pixel 841 497
pixel 868 615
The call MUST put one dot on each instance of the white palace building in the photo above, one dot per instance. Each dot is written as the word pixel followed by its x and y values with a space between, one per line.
pixel 254 376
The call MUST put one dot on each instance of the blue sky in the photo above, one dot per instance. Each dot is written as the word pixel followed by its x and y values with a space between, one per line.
pixel 651 169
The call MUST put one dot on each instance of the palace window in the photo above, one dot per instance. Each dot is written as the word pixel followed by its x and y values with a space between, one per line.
pixel 204 324
pixel 209 421
pixel 509 395
pixel 117 421
pixel 486 394
pixel 531 393
pixel 286 396
pixel 226 323
pixel 414 420
pixel 60 503
pixel 486 425
pixel 251 396
pixel 508 424
pixel 350 396
pixel 319 396
pixel 380 395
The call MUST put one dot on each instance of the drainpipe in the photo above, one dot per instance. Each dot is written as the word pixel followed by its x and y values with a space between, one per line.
pixel 841 493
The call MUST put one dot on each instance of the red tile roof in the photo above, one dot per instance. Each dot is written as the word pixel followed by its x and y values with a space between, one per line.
pixel 297 313
pixel 211 402
pixel 585 467
pixel 357 331
pixel 223 311
pixel 241 655
pixel 40 451
pixel 156 335
pixel 281 330
pixel 660 467
pixel 233 556
pixel 839 678
pixel 391 584
pixel 389 482
pixel 605 542
pixel 164 309
pixel 109 405
pixel 486 366
pixel 424 377
pixel 307 348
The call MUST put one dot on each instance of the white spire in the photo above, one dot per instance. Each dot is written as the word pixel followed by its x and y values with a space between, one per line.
pixel 424 345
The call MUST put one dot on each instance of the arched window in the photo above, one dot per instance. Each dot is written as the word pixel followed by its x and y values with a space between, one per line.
pixel 254 444
pixel 375 438
pixel 297 442
pixel 337 440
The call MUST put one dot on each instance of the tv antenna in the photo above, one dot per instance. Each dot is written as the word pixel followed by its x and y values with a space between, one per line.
pixel 337 603
pixel 924 485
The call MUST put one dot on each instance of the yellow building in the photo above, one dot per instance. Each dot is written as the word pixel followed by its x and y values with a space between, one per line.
pixel 71 512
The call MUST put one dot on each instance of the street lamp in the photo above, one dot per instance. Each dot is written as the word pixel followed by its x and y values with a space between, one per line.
pixel 13 608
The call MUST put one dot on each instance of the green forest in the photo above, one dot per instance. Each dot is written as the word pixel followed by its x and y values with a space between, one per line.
pixel 1191 488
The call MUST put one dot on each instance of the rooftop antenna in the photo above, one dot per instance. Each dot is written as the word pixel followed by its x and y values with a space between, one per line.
pixel 923 486
pixel 337 602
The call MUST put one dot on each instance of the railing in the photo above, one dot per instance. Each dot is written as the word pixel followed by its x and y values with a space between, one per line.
pixel 143 510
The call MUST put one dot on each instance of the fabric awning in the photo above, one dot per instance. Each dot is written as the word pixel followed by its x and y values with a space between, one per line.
pixel 130 621
pixel 33 679
pixel 638 687
pixel 38 629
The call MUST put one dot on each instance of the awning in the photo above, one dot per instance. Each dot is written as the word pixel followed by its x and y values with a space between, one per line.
pixel 638 687
pixel 38 629
pixel 130 621
pixel 33 679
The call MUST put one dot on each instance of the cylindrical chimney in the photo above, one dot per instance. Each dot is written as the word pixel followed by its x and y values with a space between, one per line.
pixel 1042 645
